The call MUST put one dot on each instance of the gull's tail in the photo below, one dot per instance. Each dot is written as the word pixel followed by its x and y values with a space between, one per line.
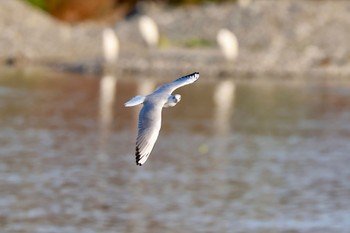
pixel 135 101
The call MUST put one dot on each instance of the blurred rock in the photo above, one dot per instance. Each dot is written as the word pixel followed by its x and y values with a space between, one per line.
pixel 30 34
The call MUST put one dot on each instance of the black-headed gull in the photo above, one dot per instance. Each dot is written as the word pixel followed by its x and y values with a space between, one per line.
pixel 150 116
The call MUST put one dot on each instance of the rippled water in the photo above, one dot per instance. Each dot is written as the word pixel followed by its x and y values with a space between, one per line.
pixel 231 157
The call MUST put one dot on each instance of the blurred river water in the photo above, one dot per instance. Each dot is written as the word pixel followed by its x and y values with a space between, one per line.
pixel 257 156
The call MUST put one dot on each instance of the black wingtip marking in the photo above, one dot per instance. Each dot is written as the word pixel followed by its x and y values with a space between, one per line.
pixel 189 75
pixel 192 74
pixel 138 156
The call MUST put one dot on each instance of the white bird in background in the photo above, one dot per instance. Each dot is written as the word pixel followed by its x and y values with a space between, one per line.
pixel 110 45
pixel 150 116
pixel 228 43
pixel 149 31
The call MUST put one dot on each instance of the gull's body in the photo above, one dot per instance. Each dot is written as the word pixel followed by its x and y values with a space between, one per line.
pixel 150 118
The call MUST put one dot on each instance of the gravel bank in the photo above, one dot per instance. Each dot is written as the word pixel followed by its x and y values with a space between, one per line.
pixel 274 36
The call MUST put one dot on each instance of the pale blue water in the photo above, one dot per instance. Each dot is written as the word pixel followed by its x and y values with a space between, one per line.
pixel 231 157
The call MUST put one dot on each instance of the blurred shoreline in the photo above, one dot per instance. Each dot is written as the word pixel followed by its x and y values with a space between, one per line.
pixel 277 39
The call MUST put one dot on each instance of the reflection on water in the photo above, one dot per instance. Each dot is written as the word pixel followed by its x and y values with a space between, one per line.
pixel 231 157
pixel 107 95
pixel 223 99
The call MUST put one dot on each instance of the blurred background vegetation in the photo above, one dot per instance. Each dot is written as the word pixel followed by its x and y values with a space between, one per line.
pixel 78 10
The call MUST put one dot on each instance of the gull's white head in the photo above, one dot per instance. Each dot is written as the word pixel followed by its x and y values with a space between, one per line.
pixel 172 100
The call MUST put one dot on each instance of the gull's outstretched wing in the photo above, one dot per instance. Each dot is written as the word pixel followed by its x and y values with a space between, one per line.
pixel 135 101
pixel 185 80
pixel 149 126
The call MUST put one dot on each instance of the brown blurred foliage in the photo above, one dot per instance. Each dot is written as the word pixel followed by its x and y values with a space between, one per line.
pixel 78 10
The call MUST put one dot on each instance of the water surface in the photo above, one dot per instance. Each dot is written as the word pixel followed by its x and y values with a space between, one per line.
pixel 231 157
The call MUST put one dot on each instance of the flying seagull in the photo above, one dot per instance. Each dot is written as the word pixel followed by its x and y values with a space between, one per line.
pixel 150 116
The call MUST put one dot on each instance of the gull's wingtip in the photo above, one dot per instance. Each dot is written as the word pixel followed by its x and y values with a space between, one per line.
pixel 189 78
pixel 196 75
pixel 139 157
